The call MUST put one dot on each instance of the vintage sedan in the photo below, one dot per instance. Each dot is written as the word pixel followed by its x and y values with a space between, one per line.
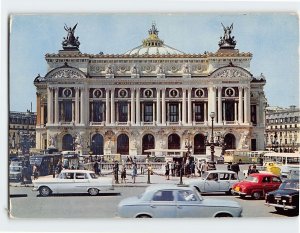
pixel 214 181
pixel 73 181
pixel 286 198
pixel 256 185
pixel 172 201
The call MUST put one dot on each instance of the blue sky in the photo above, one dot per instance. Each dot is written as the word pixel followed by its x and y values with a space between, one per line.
pixel 271 38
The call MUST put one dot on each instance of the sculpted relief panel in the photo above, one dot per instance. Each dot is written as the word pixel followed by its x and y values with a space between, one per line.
pixel 66 73
pixel 231 73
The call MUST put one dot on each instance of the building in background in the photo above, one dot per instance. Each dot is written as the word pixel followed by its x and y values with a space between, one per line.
pixel 282 129
pixel 21 132
pixel 151 97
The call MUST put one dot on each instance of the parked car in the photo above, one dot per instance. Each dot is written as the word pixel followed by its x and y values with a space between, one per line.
pixel 15 173
pixel 214 181
pixel 172 201
pixel 286 198
pixel 256 185
pixel 73 181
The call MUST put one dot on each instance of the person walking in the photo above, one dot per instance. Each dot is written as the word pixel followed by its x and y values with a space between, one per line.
pixel 236 168
pixel 123 173
pixel 116 171
pixel 35 172
pixel 96 167
pixel 167 173
pixel 172 168
pixel 134 172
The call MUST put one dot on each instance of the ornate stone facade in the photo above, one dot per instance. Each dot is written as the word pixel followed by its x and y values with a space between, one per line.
pixel 150 97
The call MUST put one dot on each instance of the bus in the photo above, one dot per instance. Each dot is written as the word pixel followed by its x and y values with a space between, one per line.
pixel 257 157
pixel 237 156
pixel 45 163
pixel 70 159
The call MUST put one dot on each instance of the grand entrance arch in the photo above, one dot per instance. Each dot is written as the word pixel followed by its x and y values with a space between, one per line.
pixel 199 144
pixel 148 142
pixel 229 141
pixel 173 141
pixel 123 144
pixel 97 144
pixel 67 142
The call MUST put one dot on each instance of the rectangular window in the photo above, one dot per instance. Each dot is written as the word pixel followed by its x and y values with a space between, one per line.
pixel 123 111
pixel 97 109
pixel 253 115
pixel 173 112
pixel 229 110
pixel 148 112
pixel 199 112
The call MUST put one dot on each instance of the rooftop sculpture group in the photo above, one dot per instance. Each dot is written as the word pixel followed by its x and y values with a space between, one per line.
pixel 227 41
pixel 70 42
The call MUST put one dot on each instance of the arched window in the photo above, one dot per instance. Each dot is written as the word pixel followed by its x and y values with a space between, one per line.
pixel 67 142
pixel 173 141
pixel 148 143
pixel 123 144
pixel 199 144
pixel 97 144
pixel 229 141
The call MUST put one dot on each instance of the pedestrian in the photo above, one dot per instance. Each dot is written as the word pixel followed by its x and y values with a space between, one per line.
pixel 192 167
pixel 236 168
pixel 204 167
pixel 123 173
pixel 96 167
pixel 173 168
pixel 249 170
pixel 229 166
pixel 35 172
pixel 254 170
pixel 134 172
pixel 167 173
pixel 142 169
pixel 116 171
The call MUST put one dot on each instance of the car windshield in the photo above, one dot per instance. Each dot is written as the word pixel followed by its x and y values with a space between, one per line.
pixel 93 176
pixel 204 175
pixel 15 169
pixel 290 184
pixel 251 179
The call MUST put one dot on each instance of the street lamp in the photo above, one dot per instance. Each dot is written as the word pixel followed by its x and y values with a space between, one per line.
pixel 148 171
pixel 212 146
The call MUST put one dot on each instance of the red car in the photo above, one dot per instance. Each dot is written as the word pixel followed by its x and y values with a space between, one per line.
pixel 256 185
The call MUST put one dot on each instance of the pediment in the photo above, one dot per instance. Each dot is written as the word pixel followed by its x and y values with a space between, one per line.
pixel 235 73
pixel 65 73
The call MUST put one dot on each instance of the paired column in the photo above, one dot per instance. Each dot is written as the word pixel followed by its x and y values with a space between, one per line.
pixel 76 105
pixel 240 105
pixel 211 100
pixel 183 106
pixel 50 105
pixel 112 107
pixel 82 118
pixel 137 107
pixel 158 114
pixel 219 105
pixel 56 105
pixel 163 106
pixel 190 106
pixel 107 108
pixel 246 104
pixel 132 110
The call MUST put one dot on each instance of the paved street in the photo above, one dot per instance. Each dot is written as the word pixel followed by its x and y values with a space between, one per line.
pixel 105 204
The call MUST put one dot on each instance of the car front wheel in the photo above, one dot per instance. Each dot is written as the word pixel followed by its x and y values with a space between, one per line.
pixel 93 191
pixel 45 191
pixel 143 216
pixel 256 195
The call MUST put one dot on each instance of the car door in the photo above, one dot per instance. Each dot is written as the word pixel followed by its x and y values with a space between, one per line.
pixel 65 182
pixel 267 184
pixel 275 183
pixel 81 182
pixel 163 204
pixel 224 179
pixel 212 183
pixel 188 204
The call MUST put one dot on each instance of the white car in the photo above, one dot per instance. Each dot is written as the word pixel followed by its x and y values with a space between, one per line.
pixel 73 181
pixel 214 181
pixel 171 201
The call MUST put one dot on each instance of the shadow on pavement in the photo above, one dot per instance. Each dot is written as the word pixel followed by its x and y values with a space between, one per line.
pixel 17 195
pixel 82 194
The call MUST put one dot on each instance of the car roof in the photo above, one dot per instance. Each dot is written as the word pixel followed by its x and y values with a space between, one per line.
pixel 154 187
pixel 221 171
pixel 262 174
pixel 82 171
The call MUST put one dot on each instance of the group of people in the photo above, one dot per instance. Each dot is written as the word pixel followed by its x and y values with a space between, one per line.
pixel 252 169
pixel 233 167
pixel 123 172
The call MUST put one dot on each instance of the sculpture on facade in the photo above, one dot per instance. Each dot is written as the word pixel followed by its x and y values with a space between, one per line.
pixel 244 140
pixel 52 141
pixel 78 141
pixel 70 41
pixel 227 41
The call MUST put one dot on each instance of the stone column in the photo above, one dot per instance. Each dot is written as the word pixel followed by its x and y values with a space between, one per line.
pixel 50 105
pixel 235 111
pixel 107 109
pixel 246 104
pixel 112 107
pixel 219 105
pixel 163 106
pixel 180 112
pixel 189 106
pixel 56 105
pixel 205 111
pixel 76 105
pixel 82 119
pixel 42 114
pixel 183 106
pixel 240 105
pixel 153 113
pixel 158 120
pixel 224 115
pixel 137 107
pixel 38 109
pixel 132 110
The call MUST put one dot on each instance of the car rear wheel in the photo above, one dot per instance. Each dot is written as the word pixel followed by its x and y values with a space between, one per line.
pixel 143 216
pixel 45 191
pixel 256 195
pixel 223 215
pixel 279 210
pixel 242 196
pixel 93 191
